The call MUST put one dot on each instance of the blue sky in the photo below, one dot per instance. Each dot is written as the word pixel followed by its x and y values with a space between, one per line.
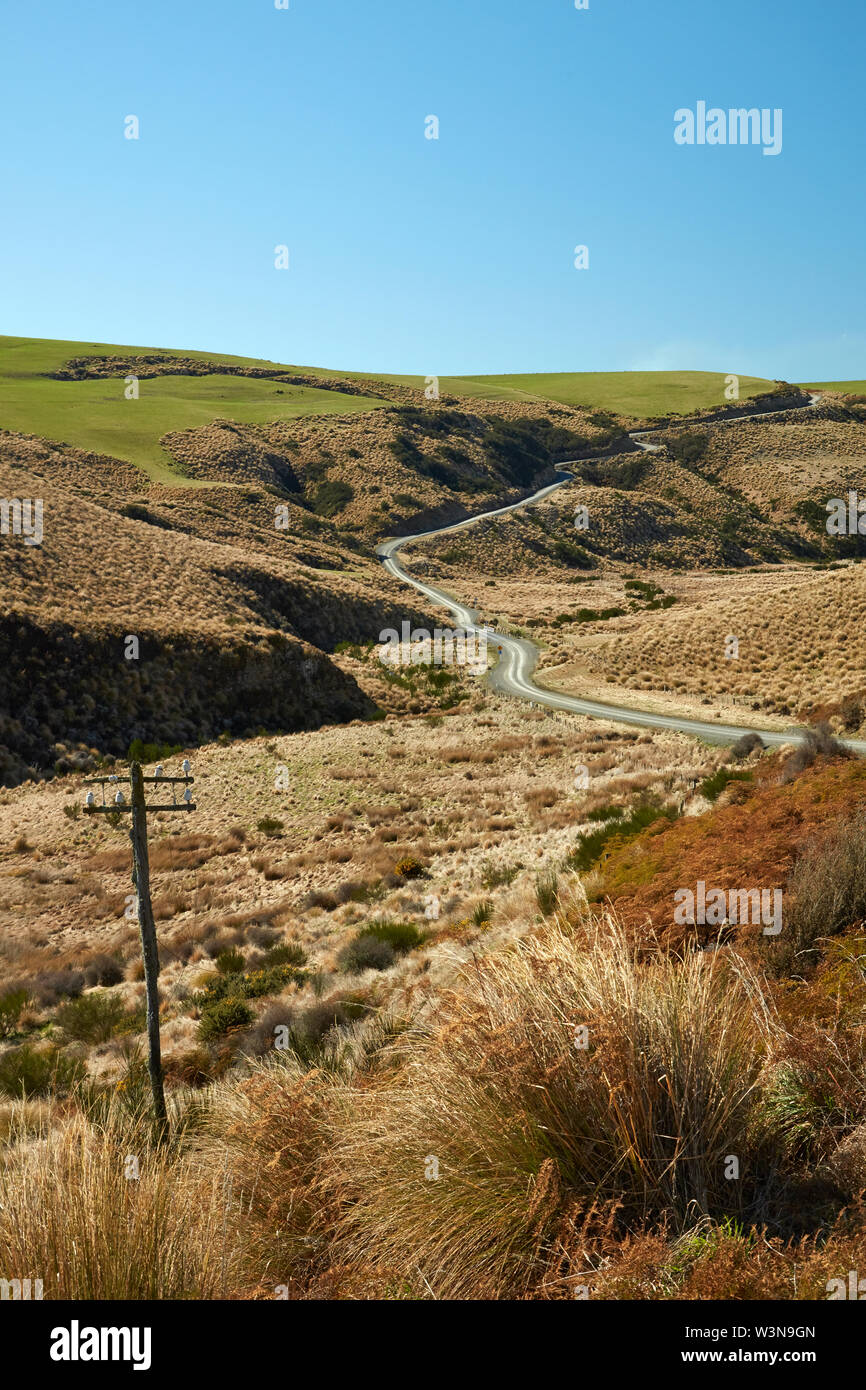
pixel 305 127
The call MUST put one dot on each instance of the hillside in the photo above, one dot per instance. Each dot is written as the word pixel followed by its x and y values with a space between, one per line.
pixel 396 885
pixel 422 907
pixel 719 534
pixel 232 619
pixel 39 396
pixel 239 536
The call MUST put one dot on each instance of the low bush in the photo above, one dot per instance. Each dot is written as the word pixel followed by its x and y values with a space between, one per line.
pixel 745 746
pixel 410 868
pixel 366 953
pixel 30 1071
pixel 50 985
pixel 605 813
pixel 597 615
pixel 824 895
pixel 230 962
pixel 687 448
pixel 11 1008
pixel 285 953
pixel 270 827
pixel 91 1018
pixel 222 1016
pixel 102 970
pixel 498 875
pixel 332 497
pixel 252 984
pixel 713 786
pixel 378 945
pixel 400 936
pixel 815 743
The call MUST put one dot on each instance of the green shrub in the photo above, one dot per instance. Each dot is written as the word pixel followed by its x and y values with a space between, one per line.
pixel 378 944
pixel 493 875
pixel 572 555
pixel 222 1015
pixel 603 813
pixel 366 953
pixel 269 981
pixel 26 1071
pixel 269 826
pixel 624 474
pixel 91 1018
pixel 712 787
pixel 332 496
pixel 590 847
pixel 11 1008
pixel 230 962
pixel 598 615
pixel 286 953
pixel 400 936
pixel 688 447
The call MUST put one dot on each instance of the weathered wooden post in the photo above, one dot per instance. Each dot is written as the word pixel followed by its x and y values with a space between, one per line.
pixel 141 879
pixel 149 949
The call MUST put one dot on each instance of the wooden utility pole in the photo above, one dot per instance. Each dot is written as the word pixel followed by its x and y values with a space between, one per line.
pixel 141 880
pixel 149 949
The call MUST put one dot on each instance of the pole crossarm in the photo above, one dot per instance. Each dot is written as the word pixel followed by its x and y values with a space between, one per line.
pixel 151 806
pixel 113 781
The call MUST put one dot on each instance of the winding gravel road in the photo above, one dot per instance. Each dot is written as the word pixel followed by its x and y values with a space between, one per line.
pixel 518 657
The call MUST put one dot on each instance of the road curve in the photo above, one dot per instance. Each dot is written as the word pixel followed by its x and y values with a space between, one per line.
pixel 518 656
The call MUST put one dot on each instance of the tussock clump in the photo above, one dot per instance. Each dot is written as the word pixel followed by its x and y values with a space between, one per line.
pixel 745 746
pixel 102 969
pixel 645 1114
pixel 817 742
pixel 69 1215
pixel 825 894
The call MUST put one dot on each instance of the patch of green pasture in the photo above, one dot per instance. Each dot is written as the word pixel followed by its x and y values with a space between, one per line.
pixel 95 414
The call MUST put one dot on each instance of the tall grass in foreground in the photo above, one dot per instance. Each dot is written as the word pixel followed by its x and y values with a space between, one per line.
pixel 73 1215
pixel 826 893
pixel 564 1115
pixel 500 1125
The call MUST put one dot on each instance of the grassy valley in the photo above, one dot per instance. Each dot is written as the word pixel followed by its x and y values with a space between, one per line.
pixel 433 1024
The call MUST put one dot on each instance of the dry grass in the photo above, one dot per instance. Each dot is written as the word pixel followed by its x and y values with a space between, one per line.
pixel 647 1113
pixel 71 1216
pixel 494 1149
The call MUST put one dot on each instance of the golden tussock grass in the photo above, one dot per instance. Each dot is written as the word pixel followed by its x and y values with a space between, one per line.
pixel 71 1216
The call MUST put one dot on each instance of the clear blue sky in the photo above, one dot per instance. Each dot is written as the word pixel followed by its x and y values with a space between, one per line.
pixel 306 127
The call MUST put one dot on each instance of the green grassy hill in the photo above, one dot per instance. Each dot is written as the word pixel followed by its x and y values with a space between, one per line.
pixel 848 388
pixel 628 393
pixel 96 415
